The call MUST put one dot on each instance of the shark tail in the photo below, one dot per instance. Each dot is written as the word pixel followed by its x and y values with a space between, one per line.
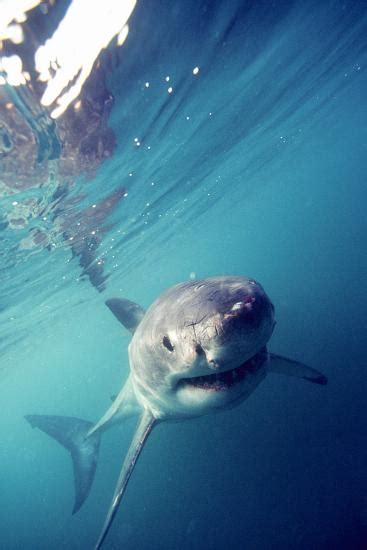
pixel 72 433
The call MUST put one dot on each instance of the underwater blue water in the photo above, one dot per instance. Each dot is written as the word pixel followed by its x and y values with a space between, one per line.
pixel 254 166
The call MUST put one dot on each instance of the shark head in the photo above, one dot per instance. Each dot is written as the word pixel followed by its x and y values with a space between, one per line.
pixel 201 346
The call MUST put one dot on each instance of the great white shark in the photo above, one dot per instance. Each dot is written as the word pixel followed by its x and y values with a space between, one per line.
pixel 200 348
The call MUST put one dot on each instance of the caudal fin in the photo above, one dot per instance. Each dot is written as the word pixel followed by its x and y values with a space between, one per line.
pixel 72 433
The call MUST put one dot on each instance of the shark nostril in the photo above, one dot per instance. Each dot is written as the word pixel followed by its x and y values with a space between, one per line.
pixel 199 350
pixel 213 364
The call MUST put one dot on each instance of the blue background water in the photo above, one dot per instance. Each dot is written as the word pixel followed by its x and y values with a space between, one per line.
pixel 259 168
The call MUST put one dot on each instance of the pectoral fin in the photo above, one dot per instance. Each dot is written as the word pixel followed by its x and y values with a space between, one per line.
pixel 144 428
pixel 282 365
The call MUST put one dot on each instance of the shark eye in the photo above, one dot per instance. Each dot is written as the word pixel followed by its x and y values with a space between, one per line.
pixel 167 343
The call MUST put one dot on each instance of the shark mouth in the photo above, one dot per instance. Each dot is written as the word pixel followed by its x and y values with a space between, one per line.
pixel 222 381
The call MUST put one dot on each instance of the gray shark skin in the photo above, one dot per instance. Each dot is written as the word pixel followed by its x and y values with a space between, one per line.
pixel 200 348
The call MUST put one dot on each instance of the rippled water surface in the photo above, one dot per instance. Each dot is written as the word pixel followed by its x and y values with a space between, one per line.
pixel 222 138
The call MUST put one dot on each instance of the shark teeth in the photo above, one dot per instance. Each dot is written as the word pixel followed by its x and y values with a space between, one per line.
pixel 223 380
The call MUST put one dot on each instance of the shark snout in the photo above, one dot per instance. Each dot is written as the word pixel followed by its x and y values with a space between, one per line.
pixel 247 313
pixel 242 309
pixel 241 306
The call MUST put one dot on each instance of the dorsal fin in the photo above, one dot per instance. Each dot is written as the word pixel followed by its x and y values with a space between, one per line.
pixel 128 313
